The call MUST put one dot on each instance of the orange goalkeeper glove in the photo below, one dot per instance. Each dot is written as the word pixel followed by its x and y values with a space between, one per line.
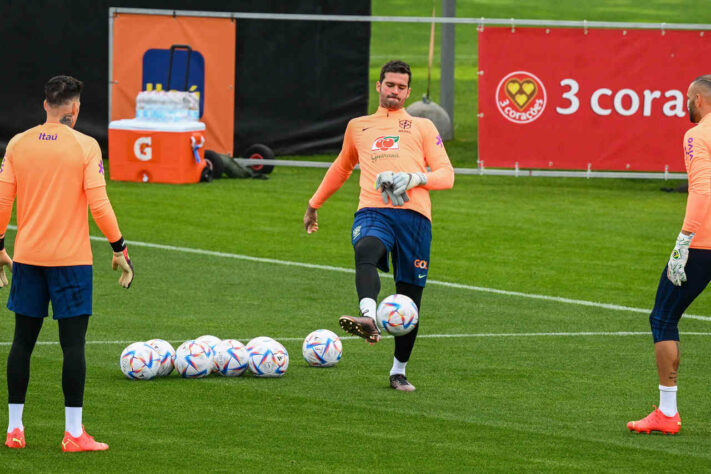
pixel 122 262
pixel 5 261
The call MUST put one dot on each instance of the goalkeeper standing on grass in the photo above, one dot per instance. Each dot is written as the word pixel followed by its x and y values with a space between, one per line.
pixel 56 173
pixel 689 269
pixel 394 150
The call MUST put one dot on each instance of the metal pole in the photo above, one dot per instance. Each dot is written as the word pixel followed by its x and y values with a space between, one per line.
pixel 446 94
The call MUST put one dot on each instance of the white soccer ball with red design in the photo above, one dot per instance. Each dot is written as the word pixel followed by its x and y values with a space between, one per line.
pixel 139 361
pixel 193 359
pixel 322 348
pixel 166 355
pixel 230 358
pixel 256 341
pixel 397 314
pixel 211 342
pixel 268 359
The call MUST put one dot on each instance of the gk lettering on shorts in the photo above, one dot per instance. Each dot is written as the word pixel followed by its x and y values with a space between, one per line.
pixel 578 112
pixel 422 264
pixel 142 149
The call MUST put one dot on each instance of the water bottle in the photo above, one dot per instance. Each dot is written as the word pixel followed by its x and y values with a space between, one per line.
pixel 194 111
pixel 140 105
pixel 160 107
pixel 185 102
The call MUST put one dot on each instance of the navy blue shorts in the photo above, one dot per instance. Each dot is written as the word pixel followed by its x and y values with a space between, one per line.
pixel 68 288
pixel 407 236
pixel 672 301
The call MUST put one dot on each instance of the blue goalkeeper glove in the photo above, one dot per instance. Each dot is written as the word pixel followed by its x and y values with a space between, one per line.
pixel 678 258
pixel 403 182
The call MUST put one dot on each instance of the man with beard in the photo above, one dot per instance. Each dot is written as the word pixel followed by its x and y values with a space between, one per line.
pixel 689 268
pixel 394 151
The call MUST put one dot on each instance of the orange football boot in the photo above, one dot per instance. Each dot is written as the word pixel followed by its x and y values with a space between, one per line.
pixel 15 439
pixel 83 442
pixel 657 421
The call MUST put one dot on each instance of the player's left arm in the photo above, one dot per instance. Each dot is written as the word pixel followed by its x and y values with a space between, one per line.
pixel 441 174
pixel 103 214
pixel 697 204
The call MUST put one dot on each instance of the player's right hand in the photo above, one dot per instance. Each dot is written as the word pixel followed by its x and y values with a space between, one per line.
pixel 384 184
pixel 5 261
pixel 122 262
pixel 311 220
pixel 678 258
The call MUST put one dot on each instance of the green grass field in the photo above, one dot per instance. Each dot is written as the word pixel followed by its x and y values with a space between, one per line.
pixel 494 392
pixel 519 366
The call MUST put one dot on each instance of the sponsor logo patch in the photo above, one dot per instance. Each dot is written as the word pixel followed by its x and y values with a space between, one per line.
pixel 385 143
pixel 521 97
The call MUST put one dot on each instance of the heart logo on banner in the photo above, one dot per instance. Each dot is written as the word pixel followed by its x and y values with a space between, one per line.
pixel 521 92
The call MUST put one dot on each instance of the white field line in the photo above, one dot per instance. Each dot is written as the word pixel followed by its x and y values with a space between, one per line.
pixel 431 336
pixel 556 299
pixel 314 266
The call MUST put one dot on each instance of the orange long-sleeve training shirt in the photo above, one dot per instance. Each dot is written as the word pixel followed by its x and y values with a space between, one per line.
pixel 697 157
pixel 389 141
pixel 56 173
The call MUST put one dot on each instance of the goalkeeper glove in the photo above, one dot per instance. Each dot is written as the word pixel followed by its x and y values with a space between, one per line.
pixel 384 183
pixel 678 258
pixel 403 182
pixel 122 262
pixel 5 261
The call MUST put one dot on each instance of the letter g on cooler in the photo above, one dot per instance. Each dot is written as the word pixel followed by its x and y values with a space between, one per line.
pixel 142 148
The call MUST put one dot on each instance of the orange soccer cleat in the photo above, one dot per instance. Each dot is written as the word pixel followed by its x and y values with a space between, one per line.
pixel 656 421
pixel 15 439
pixel 83 442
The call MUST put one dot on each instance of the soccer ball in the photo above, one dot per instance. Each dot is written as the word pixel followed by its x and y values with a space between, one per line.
pixel 139 361
pixel 166 355
pixel 211 342
pixel 268 359
pixel 397 314
pixel 230 358
pixel 193 359
pixel 322 348
pixel 256 341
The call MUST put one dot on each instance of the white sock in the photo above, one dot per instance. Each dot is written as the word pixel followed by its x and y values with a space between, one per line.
pixel 72 418
pixel 15 412
pixel 367 307
pixel 398 367
pixel 667 400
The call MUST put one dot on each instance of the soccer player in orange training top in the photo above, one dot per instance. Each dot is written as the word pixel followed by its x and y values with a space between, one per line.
pixel 394 150
pixel 55 172
pixel 689 268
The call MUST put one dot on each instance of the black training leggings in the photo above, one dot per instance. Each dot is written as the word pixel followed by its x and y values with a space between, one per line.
pixel 72 338
pixel 404 344
pixel 369 251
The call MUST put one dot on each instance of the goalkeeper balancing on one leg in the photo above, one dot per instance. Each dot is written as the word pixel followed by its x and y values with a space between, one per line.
pixel 394 150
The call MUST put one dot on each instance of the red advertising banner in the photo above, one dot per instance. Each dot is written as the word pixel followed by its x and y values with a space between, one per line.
pixel 573 98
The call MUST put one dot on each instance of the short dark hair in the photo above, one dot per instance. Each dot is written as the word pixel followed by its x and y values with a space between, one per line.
pixel 61 89
pixel 399 67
